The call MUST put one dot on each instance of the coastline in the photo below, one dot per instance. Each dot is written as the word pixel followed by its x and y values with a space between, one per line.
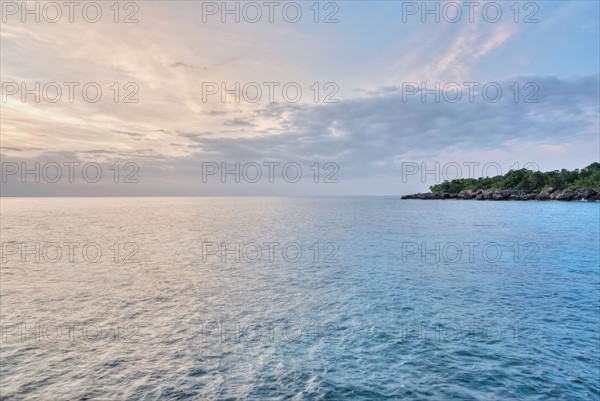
pixel 547 194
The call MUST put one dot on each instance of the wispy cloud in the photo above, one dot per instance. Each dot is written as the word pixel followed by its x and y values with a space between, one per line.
pixel 172 128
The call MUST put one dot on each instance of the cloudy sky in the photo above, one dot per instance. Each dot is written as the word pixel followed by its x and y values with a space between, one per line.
pixel 333 88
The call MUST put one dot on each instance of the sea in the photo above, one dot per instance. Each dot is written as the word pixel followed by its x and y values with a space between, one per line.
pixel 316 298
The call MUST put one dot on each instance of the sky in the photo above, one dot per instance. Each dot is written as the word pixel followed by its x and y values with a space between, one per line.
pixel 379 98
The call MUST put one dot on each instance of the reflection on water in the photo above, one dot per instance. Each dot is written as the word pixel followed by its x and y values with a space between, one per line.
pixel 298 298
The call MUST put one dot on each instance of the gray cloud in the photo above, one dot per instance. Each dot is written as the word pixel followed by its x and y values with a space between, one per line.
pixel 133 135
pixel 239 122
pixel 18 149
pixel 186 65
pixel 382 128
pixel 215 113
pixel 196 137
pixel 369 137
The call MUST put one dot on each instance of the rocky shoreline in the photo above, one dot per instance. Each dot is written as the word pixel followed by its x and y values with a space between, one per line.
pixel 547 194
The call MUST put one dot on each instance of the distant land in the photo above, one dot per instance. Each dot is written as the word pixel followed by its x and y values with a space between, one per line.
pixel 523 184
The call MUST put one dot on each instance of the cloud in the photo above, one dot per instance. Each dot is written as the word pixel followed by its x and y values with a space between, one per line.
pixel 185 65
pixel 196 137
pixel 239 122
pixel 171 130
pixel 19 149
pixel 131 134
pixel 450 52
pixel 369 137
pixel 553 149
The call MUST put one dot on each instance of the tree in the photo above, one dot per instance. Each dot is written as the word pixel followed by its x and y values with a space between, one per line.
pixel 527 180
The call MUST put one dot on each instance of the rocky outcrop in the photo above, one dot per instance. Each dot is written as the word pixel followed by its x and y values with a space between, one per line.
pixel 579 194
pixel 545 194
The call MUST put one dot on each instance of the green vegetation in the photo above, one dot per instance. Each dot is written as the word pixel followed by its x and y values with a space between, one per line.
pixel 527 180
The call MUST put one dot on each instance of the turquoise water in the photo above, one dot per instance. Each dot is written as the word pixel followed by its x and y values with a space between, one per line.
pixel 388 299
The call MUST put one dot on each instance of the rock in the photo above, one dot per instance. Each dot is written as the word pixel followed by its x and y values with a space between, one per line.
pixel 487 194
pixel 564 195
pixel 507 194
pixel 466 194
pixel 432 195
pixel 588 194
pixel 545 194
pixel 518 195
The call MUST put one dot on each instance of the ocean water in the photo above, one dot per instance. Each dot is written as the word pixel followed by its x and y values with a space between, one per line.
pixel 230 298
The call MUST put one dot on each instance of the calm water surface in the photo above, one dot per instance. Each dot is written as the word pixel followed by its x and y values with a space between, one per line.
pixel 329 298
